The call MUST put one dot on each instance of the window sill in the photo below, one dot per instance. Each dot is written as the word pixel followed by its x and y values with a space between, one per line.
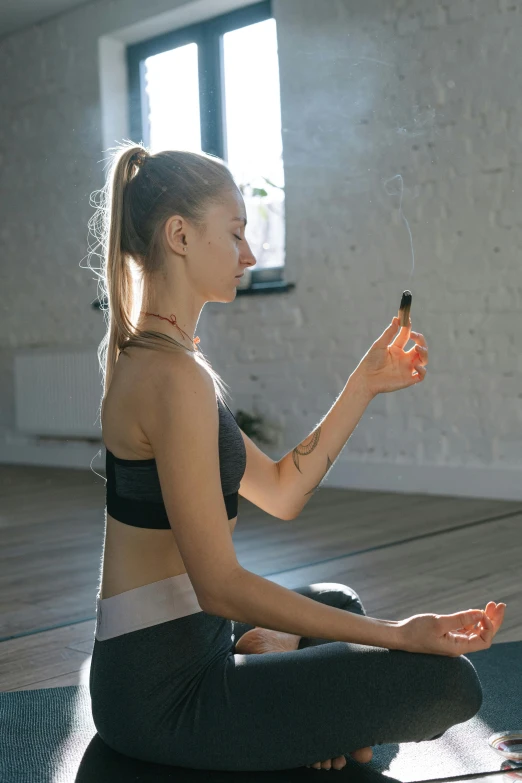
pixel 266 287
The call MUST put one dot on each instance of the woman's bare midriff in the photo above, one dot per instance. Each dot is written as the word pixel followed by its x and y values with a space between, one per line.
pixel 134 556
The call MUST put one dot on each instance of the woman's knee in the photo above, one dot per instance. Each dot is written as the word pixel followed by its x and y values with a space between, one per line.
pixel 438 692
pixel 350 600
pixel 338 595
pixel 462 688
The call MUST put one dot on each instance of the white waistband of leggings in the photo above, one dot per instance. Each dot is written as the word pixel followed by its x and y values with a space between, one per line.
pixel 141 607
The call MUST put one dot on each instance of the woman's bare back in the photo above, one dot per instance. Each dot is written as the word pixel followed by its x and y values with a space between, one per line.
pixel 134 556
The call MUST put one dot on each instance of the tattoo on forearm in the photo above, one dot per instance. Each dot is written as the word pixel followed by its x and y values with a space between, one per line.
pixel 328 466
pixel 302 450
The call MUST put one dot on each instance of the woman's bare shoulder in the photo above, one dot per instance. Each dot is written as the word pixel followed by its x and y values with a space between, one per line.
pixel 130 400
pixel 141 364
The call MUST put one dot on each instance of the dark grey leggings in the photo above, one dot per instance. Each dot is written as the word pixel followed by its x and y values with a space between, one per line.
pixel 176 693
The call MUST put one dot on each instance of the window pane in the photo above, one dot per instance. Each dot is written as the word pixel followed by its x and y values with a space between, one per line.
pixel 172 87
pixel 253 134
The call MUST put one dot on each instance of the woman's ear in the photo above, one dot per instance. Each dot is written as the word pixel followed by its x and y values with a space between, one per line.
pixel 175 234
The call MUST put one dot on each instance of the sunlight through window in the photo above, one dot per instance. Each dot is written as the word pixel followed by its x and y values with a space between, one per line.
pixel 253 134
pixel 172 87
pixel 251 122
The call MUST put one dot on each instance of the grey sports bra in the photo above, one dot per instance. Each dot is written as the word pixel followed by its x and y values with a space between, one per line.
pixel 133 491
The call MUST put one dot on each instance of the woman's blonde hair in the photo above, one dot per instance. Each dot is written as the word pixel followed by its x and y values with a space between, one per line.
pixel 140 193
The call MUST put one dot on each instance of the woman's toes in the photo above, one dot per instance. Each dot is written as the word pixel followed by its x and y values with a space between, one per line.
pixel 362 755
pixel 337 763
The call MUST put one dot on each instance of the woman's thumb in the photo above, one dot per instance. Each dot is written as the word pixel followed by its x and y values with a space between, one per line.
pixel 450 622
pixel 385 336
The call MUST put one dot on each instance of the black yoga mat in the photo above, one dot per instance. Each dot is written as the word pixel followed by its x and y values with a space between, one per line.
pixel 48 735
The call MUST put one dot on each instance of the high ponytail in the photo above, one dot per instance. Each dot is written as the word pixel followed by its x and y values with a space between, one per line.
pixel 140 193
pixel 118 276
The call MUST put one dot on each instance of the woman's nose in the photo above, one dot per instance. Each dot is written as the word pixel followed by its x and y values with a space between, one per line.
pixel 247 254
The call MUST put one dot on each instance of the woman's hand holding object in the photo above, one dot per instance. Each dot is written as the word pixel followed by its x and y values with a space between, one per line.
pixel 387 367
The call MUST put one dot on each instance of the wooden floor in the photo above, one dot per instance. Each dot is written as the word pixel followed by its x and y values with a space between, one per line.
pixel 403 554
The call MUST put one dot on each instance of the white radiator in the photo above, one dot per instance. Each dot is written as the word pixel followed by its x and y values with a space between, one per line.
pixel 58 392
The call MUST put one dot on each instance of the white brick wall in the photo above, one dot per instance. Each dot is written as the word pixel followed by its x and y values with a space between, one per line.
pixel 369 89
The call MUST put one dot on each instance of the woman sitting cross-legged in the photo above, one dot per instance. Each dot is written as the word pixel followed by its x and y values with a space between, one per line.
pixel 198 662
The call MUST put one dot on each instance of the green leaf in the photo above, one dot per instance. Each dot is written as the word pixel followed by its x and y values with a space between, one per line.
pixel 272 184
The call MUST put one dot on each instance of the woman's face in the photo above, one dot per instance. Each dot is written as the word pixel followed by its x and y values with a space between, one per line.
pixel 224 252
pixel 216 258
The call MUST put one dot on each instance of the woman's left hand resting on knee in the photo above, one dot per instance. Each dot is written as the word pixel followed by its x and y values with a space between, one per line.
pixel 450 634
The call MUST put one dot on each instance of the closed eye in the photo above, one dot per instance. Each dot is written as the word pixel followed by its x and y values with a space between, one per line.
pixel 236 236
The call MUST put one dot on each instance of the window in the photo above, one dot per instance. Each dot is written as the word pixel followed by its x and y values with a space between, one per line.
pixel 226 103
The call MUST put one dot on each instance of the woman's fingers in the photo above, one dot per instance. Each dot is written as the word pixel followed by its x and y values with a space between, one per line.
pixel 419 374
pixel 420 346
pixel 485 629
pixel 496 614
pixel 419 338
pixel 491 622
pixel 494 609
pixel 422 353
pixel 402 337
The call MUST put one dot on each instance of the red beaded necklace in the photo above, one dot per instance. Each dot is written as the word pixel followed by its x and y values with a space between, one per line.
pixel 196 339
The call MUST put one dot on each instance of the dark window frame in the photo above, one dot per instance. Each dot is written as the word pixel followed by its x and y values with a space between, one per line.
pixel 207 35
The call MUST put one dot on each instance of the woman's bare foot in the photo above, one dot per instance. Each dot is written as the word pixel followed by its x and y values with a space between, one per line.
pixel 263 640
